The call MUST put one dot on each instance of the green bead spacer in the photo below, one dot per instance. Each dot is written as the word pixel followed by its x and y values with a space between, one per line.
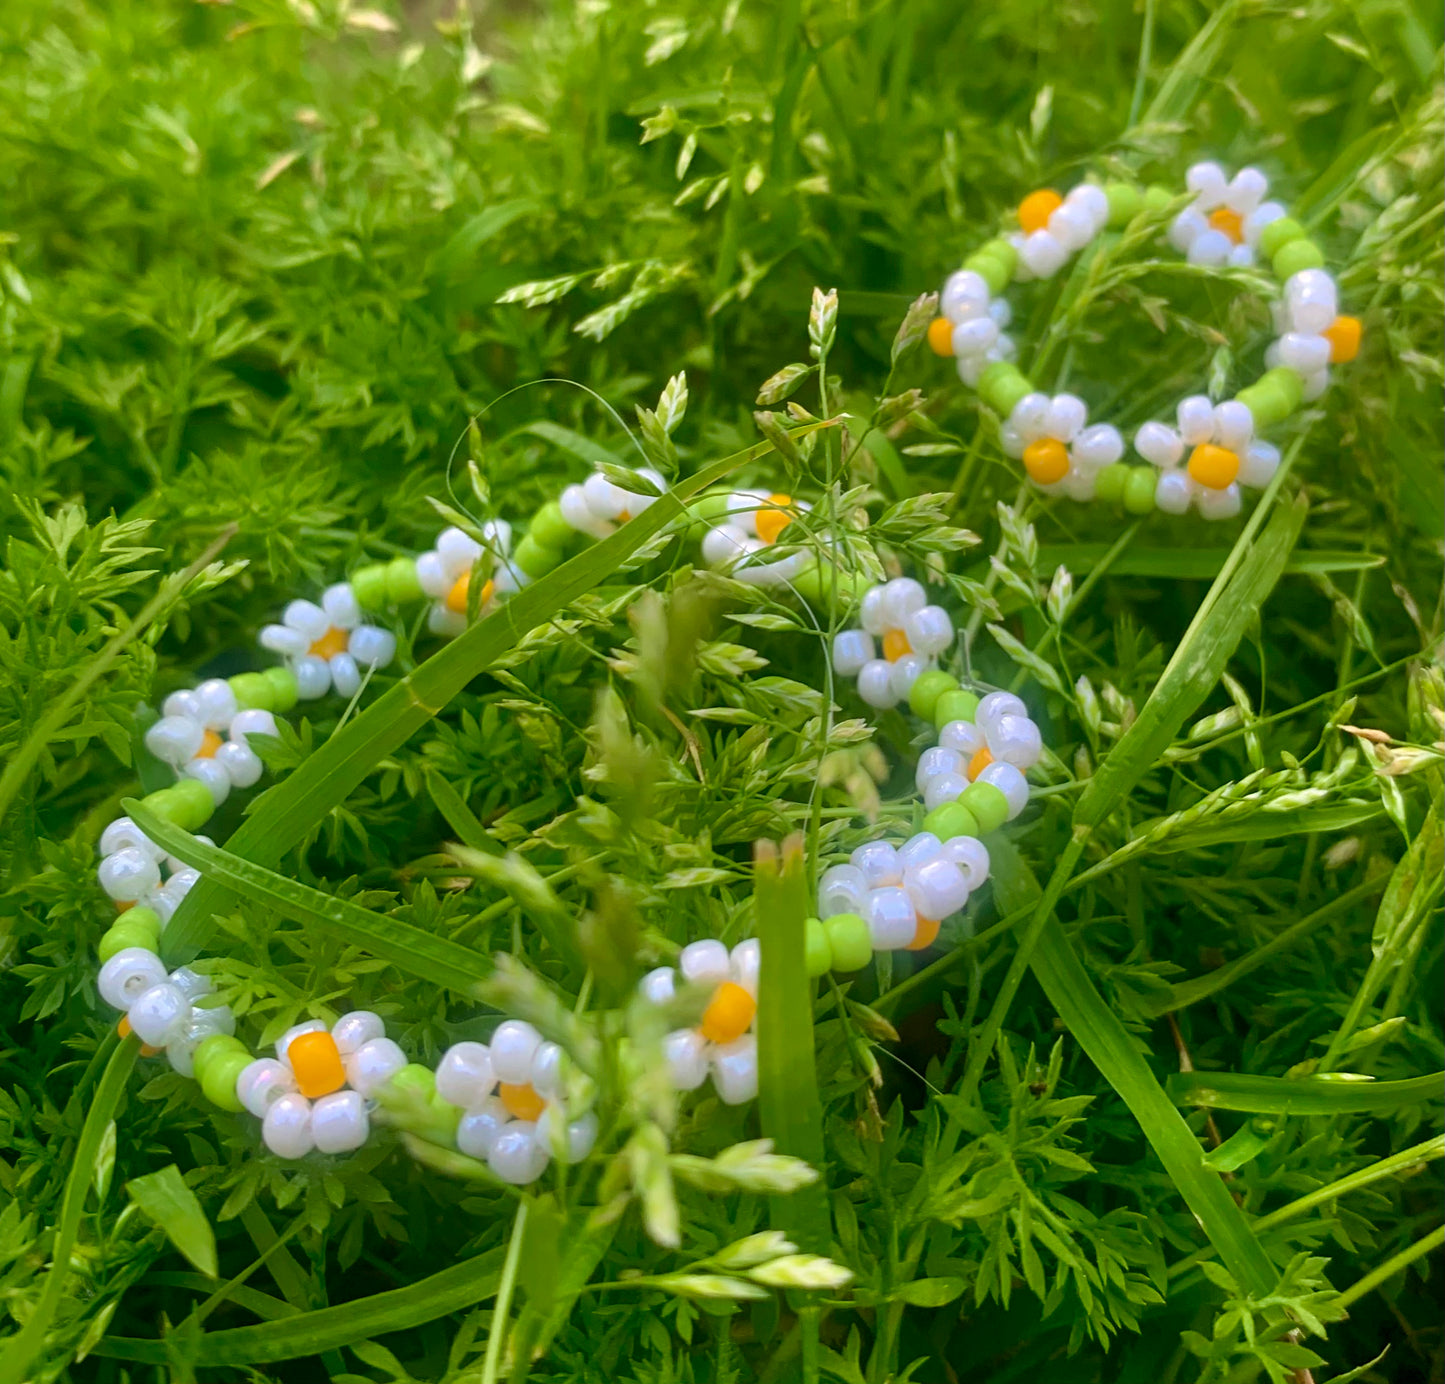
pixel 1267 403
pixel 948 820
pixel 1291 385
pixel 1295 256
pixel 219 1083
pixel 1002 385
pixel 1110 482
pixel 1003 251
pixel 413 1079
pixel 535 560
pixel 550 529
pixel 144 918
pixel 444 1117
pixel 195 804
pixel 164 803
pixel 992 270
pixel 253 692
pixel 958 705
pixel 1274 237
pixel 849 941
pixel 1139 489
pixel 988 805
pixel 927 689
pixel 212 1048
pixel 817 950
pixel 403 586
pixel 122 936
pixel 1158 198
pixel 284 691
pixel 1125 202
pixel 369 584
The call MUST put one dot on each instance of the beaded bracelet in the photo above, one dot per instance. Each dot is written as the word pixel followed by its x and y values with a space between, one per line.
pixel 1227 224
pixel 505 1102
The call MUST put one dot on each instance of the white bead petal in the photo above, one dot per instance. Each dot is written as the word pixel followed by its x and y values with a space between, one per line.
pixel 287 1127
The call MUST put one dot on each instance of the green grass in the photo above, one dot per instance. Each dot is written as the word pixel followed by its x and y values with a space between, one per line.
pixel 1163 1107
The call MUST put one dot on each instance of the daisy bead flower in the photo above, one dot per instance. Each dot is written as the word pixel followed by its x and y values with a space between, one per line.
pixel 313 1094
pixel 1052 229
pixel 971 325
pixel 160 1008
pixel 511 1092
pixel 910 634
pixel 1313 334
pixel 980 764
pixel 1060 451
pixel 1224 223
pixel 140 877
pixel 203 735
pixel 327 646
pixel 746 525
pixel 723 1044
pixel 445 575
pixel 1207 457
pixel 596 507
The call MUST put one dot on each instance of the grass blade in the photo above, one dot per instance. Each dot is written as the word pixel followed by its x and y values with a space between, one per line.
pixel 1275 1095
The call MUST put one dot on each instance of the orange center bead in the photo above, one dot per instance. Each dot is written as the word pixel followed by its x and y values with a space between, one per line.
pixel 521 1100
pixel 940 336
pixel 1037 207
pixel 123 1028
pixel 1230 222
pixel 457 596
pixel 210 743
pixel 926 935
pixel 315 1062
pixel 980 761
pixel 1046 460
pixel 771 521
pixel 333 642
pixel 728 1014
pixel 895 645
pixel 1213 467
pixel 1343 334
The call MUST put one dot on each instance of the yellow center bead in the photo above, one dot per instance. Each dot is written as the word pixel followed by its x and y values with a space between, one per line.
pixel 521 1100
pixel 1046 460
pixel 1213 467
pixel 773 519
pixel 728 1014
pixel 457 596
pixel 980 761
pixel 895 645
pixel 333 642
pixel 1230 222
pixel 1037 207
pixel 210 743
pixel 1343 334
pixel 940 336
pixel 315 1062
pixel 926 934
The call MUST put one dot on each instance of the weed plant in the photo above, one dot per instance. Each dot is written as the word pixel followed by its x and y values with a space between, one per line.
pixel 1164 1105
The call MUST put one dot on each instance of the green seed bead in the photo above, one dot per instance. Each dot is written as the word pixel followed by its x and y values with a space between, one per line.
pixel 958 705
pixel 1291 385
pixel 1277 235
pixel 284 691
pixel 988 805
pixel 219 1083
pixel 1158 198
pixel 121 936
pixel 212 1048
pixel 992 270
pixel 535 560
pixel 1002 385
pixel 444 1118
pixel 414 1080
pixel 550 529
pixel 1125 202
pixel 1267 403
pixel 369 584
pixel 927 689
pixel 1297 255
pixel 948 820
pixel 403 586
pixel 849 941
pixel 146 919
pixel 1003 251
pixel 164 803
pixel 1110 482
pixel 253 692
pixel 195 804
pixel 817 950
pixel 1139 489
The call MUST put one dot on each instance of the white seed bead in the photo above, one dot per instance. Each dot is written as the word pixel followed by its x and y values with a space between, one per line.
pixel 216 703
pixel 372 647
pixel 1001 313
pixel 851 650
pixel 1220 504
pixel 294 1032
pixel 1241 257
pixel 963 736
pixel 1186 228
pixel 498 532
pixel 1044 254
pixel 479 1128
pixel 747 964
pixel 1259 218
pixel 192 984
pixel 1207 182
pixel 306 617
pixel 1066 416
pixel 704 963
pixel 1098 446
pixel 872 614
pixel 343 610
pixel 458 551
pixel 1315 385
pixel 936 889
pixel 313 677
pixel 605 500
pixel 1233 425
pixel 995 706
pixel 1016 740
pixel 517 1155
pixel 904 673
pixel 253 721
pixel 921 846
pixel 339 1122
pixel 373 1064
pixel 1010 782
pixel 1159 444
pixel 936 760
pixel 1312 300
pixel 446 623
pixel 1072 226
pixel 1304 353
pixel 262 1083
pixel 179 885
pixel 359 1026
pixel 242 764
pixel 286 1128
pixel 546 1077
pixel 1092 200
pixel 175 739
pixel 218 1018
pixel 283 640
pixel 878 861
pixel 1246 191
pixel 659 986
pixel 576 511
pixel 1030 416
pixel 1011 440
pixel 971 856
pixel 510 579
pixel 1211 248
pixel 182 703
pixel 892 921
pixel 345 675
pixel 842 889
pixel 1258 465
pixel 975 337
pixel 1078 483
pixel 970 368
pixel 1196 420
pixel 123 834
pixel 685 1051
pixel 159 1014
pixel 965 295
pixel 943 788
pixel 162 905
pixel 1022 273
pixel 929 631
pixel 432 577
pixel 128 975
pixel 1174 492
pixel 581 1138
pixel 213 775
pixel 724 545
pixel 901 598
pixel 875 684
pixel 735 1070
pixel 128 874
pixel 513 1047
